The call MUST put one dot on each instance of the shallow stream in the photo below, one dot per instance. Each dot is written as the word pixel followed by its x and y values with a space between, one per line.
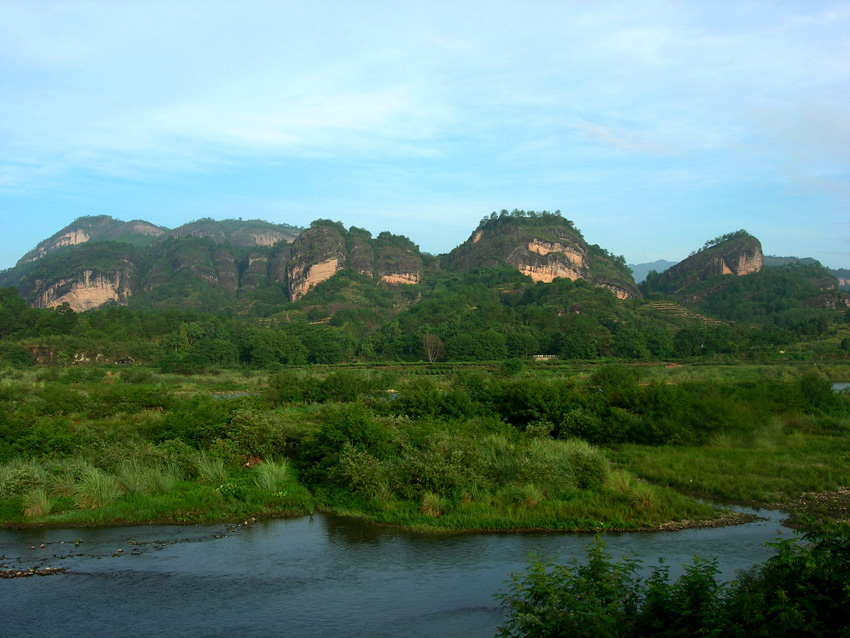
pixel 311 576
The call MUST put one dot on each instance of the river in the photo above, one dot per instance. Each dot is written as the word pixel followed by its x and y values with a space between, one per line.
pixel 310 576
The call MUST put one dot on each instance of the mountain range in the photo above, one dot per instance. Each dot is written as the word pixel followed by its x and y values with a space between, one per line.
pixel 254 267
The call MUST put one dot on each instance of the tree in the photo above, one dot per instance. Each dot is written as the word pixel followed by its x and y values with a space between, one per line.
pixel 433 347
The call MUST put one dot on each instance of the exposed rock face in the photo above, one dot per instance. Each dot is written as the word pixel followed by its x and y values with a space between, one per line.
pixel 739 256
pixel 70 238
pixel 361 256
pixel 255 273
pixel 302 281
pixel 400 278
pixel 90 290
pixel 226 272
pixel 320 252
pixel 397 260
pixel 317 255
pixel 251 233
pixel 545 251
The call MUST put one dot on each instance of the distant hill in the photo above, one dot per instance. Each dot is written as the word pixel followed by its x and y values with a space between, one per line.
pixel 842 275
pixel 737 253
pixel 728 279
pixel 640 271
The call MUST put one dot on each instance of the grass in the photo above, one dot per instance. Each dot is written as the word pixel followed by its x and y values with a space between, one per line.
pixel 763 471
pixel 443 474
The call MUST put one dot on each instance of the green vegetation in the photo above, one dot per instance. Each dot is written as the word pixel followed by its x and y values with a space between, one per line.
pixel 803 590
pixel 512 447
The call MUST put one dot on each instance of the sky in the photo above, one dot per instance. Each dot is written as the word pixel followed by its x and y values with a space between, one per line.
pixel 654 126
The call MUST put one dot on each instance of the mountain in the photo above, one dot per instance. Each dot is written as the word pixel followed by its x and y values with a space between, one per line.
pixel 99 227
pixel 327 248
pixel 842 275
pixel 236 265
pixel 544 246
pixel 640 271
pixel 737 253
pixel 239 234
pixel 207 264
pixel 786 294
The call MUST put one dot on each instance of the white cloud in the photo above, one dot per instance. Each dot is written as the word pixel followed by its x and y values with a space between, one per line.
pixel 542 94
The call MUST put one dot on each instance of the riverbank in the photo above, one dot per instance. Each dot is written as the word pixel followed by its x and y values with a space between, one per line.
pixel 476 452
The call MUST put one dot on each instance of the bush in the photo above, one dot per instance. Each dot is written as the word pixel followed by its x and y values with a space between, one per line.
pixel 803 590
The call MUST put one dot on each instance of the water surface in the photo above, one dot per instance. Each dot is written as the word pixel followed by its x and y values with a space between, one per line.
pixel 311 576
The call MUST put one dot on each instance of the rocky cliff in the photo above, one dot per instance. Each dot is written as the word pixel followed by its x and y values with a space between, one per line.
pixel 544 246
pixel 96 261
pixel 736 254
pixel 327 247
pixel 246 234
pixel 99 227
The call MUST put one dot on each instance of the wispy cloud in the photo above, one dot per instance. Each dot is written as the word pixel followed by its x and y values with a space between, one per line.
pixel 466 101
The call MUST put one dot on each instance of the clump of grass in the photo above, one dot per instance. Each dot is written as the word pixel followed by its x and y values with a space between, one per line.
pixel 95 489
pixel 528 495
pixel 432 505
pixel 620 481
pixel 269 475
pixel 132 477
pixel 161 479
pixel 644 496
pixel 36 503
pixel 211 469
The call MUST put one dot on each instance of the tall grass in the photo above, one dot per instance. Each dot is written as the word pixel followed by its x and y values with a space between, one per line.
pixel 36 503
pixel 269 476
pixel 95 489
pixel 211 470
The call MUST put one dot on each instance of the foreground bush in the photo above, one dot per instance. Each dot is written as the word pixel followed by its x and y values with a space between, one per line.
pixel 803 590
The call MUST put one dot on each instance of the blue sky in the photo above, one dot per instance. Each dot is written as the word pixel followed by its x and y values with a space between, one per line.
pixel 655 126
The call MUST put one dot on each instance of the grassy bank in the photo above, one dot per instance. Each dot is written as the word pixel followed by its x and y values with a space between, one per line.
pixel 604 447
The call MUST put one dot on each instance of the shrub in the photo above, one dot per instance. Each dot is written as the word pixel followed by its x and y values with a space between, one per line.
pixel 19 477
pixel 362 473
pixel 589 465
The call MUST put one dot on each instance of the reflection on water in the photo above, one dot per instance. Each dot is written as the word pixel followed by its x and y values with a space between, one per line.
pixel 312 576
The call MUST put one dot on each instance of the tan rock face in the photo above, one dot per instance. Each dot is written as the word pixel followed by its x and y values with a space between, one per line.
pixel 749 263
pixel 477 236
pixel 618 292
pixel 71 238
pixel 267 238
pixel 401 278
pixel 144 228
pixel 86 293
pixel 548 273
pixel 545 247
pixel 316 274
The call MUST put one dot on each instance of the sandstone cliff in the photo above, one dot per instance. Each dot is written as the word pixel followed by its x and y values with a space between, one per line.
pixel 736 254
pixel 99 227
pixel 545 247
pixel 326 248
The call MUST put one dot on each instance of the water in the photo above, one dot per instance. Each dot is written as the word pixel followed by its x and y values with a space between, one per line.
pixel 312 576
pixel 841 387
